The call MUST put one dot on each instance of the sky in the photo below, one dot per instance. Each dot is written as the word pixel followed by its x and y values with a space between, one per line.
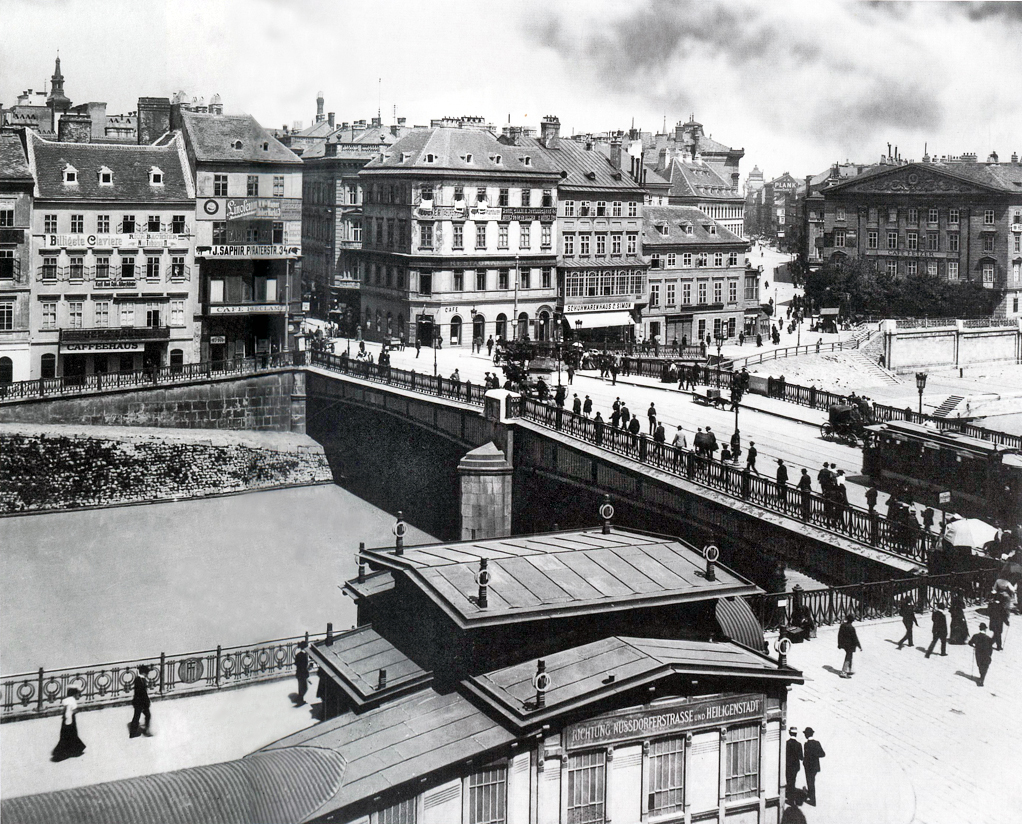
pixel 799 84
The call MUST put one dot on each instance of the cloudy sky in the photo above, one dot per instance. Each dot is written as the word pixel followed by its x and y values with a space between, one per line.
pixel 797 83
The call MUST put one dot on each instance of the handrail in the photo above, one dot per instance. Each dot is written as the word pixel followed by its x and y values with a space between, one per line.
pixel 795 351
pixel 868 528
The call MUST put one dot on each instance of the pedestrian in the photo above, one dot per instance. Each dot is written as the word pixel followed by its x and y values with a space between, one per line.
pixel 741 338
pixel 615 417
pixel 69 745
pixel 939 631
pixel 996 613
pixel 455 379
pixel 616 406
pixel 725 454
pixel 613 372
pixel 598 426
pixel 680 441
pixel 848 640
pixel 908 618
pixel 782 483
pixel 959 626
pixel 928 519
pixel 418 347
pixel 302 671
pixel 871 499
pixel 711 443
pixel 736 446
pixel 792 760
pixel 984 646
pixel 561 395
pixel 660 438
pixel 812 753
pixel 576 405
pixel 140 702
pixel 571 373
pixel 587 407
pixel 750 457
pixel 489 346
pixel 626 416
pixel 824 478
pixel 651 415
pixel 634 427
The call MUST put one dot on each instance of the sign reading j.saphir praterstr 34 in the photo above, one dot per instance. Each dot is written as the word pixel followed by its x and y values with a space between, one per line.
pixel 664 720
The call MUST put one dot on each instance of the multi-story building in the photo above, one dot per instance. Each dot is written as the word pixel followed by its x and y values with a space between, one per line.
pixel 699 284
pixel 955 219
pixel 16 189
pixel 775 207
pixel 332 214
pixel 458 231
pixel 600 205
pixel 113 277
pixel 248 227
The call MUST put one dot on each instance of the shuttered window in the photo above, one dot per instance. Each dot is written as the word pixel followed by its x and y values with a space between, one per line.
pixel 743 762
pixel 487 796
pixel 666 776
pixel 587 774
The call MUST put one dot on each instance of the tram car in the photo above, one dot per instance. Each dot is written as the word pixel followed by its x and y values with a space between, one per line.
pixel 984 479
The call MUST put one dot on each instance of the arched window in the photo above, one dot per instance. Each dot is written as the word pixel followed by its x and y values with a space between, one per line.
pixel 502 326
pixel 369 320
pixel 177 360
pixel 390 325
pixel 400 326
pixel 6 370
pixel 523 326
pixel 543 326
pixel 48 365
pixel 379 321
pixel 479 327
pixel 456 331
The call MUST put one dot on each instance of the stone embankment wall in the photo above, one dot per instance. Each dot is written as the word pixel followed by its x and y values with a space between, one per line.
pixel 47 471
pixel 949 345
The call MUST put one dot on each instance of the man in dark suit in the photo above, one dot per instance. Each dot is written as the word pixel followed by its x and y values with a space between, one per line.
pixel 984 646
pixel 939 631
pixel 792 760
pixel 811 758
pixel 140 702
pixel 302 671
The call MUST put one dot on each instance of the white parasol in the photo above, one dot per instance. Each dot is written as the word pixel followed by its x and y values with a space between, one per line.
pixel 970 532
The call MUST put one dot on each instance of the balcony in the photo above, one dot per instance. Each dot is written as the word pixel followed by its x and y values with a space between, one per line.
pixel 115 334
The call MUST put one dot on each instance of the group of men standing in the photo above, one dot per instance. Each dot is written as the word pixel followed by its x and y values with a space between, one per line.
pixel 797 756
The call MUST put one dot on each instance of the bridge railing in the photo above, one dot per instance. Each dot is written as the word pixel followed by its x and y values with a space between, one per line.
pixel 70 385
pixel 794 351
pixel 457 390
pixel 33 694
pixel 870 528
pixel 881 599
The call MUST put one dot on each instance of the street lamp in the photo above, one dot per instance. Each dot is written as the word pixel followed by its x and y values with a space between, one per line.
pixel 920 385
pixel 720 344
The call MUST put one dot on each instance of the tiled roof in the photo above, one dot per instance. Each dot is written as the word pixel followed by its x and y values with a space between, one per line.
pixel 591 672
pixel 212 138
pixel 696 179
pixel 586 168
pixel 284 785
pixel 402 741
pixel 130 165
pixel 540 576
pixel 13 165
pixel 675 219
pixel 450 148
pixel 352 143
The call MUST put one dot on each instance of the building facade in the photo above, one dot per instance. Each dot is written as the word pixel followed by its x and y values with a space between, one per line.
pixel 956 220
pixel 112 269
pixel 458 238
pixel 248 226
pixel 16 190
pixel 699 284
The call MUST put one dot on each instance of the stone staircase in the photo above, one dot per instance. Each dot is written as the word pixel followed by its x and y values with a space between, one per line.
pixel 948 406
pixel 865 362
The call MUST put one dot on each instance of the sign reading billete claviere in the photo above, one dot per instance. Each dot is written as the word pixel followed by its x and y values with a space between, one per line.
pixel 664 720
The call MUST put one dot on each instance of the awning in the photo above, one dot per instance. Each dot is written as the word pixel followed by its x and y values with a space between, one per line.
pixel 598 320
pixel 830 311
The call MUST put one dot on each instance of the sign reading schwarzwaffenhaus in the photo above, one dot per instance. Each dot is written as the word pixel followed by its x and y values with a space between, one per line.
pixel 664 720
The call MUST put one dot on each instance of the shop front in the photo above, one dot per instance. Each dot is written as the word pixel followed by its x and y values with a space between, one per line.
pixel 84 352
pixel 610 323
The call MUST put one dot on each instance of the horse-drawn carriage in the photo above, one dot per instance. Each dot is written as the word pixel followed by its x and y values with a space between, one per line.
pixel 844 424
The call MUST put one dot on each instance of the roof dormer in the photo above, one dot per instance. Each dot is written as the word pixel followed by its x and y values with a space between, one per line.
pixel 237 145
pixel 105 176
pixel 155 176
pixel 496 159
pixel 527 160
pixel 70 174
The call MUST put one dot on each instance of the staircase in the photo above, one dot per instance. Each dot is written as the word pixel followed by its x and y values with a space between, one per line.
pixel 864 362
pixel 948 406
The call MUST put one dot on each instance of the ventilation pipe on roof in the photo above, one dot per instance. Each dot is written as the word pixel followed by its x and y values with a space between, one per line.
pixel 382 683
pixel 711 553
pixel 606 513
pixel 361 563
pixel 483 579
pixel 542 682
pixel 399 534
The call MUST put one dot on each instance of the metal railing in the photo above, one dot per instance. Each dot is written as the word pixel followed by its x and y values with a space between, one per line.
pixel 39 693
pixel 795 351
pixel 881 599
pixel 868 528
pixel 70 385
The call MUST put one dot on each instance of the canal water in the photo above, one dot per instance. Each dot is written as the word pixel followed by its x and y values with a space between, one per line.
pixel 105 585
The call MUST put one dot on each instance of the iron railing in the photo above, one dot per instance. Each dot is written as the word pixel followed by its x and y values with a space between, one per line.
pixel 39 693
pixel 868 601
pixel 868 528
pixel 795 351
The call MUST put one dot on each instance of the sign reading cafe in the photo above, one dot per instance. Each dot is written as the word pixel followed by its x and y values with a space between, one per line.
pixel 650 722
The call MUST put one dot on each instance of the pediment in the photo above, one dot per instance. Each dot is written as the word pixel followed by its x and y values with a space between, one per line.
pixel 914 180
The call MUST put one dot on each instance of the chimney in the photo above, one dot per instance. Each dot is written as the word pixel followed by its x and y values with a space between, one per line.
pixel 550 131
pixel 615 152
pixel 377 121
pixel 992 158
pixel 401 121
pixel 679 132
pixel 153 119
pixel 330 119
pixel 319 107
pixel 74 128
pixel 1014 157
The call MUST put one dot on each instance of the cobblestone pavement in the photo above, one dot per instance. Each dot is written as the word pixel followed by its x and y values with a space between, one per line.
pixel 910 739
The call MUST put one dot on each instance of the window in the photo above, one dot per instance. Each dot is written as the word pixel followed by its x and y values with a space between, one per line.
pixel 152 267
pixel 839 213
pixel 487 796
pixel 502 235
pixel 127 224
pixel 481 196
pixel 427 194
pixel 718 291
pixel 49 268
pixel 74 314
pixel 988 273
pixel 633 241
pixel 278 185
pixel 686 293
pixel 219 185
pixel 585 208
pixel 356 231
pixel 953 242
pixel 892 215
pixel 569 208
pixel 77 270
pixel 988 243
pixel 252 185
pixel 601 208
pixel 102 313
pixel 545 235
pixel 952 217
pixel 615 244
pixel 1016 270
pixel 6 316
pixel 49 223
pixel 177 224
pixel 616 209
pixel 70 174
pixel 702 292
pixel 106 177
pixel 654 294
pixel 526 197
pixel 127 314
pixel 732 291
pixel 742 762
pixel 892 267
pixel 155 176
pixel 988 217
pixel 502 279
pixel 686 259
pixel 654 261
pixel 49 315
pixel 671 294
pixel 77 224
pixel 912 267
pixel 425 283
pixel 952 270
pixel 548 198
pixel 633 209
pixel 102 267
pixel 839 238
pixel 458 236
pixel 601 244
pixel 931 268
pixel 277 232
pixel 672 260
pixel 732 259
pixel 177 267
pixel 503 198
pixel 403 812
pixel 1017 244
pixel 525 238
pixel 547 276
pixel 751 289
pixel 425 235
pixel 913 216
pixel 480 236
pixel 525 279
pixel 583 245
pixel 718 259
pixel 481 280
pixel 586 788
pixel 932 216
pixel 153 223
pixel 932 241
pixel 219 232
pixel 569 244
pixel 872 214
pixel 892 240
pixel 912 241
pixel 128 268
pixel 872 239
pixel 459 280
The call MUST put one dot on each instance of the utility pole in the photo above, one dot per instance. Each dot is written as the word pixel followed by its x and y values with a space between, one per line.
pixel 515 311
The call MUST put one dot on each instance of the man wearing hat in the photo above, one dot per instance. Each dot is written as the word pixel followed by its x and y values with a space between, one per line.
pixel 792 760
pixel 140 702
pixel 813 753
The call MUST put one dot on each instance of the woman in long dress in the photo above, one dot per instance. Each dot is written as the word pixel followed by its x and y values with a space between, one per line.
pixel 959 627
pixel 69 745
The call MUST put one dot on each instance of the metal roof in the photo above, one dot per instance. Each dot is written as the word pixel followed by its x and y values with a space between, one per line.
pixel 739 623
pixel 280 786
pixel 591 672
pixel 563 573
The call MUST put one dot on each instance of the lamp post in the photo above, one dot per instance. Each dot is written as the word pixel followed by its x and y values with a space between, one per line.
pixel 920 385
pixel 720 344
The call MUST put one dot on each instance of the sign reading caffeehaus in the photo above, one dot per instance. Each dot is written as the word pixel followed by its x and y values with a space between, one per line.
pixel 664 720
